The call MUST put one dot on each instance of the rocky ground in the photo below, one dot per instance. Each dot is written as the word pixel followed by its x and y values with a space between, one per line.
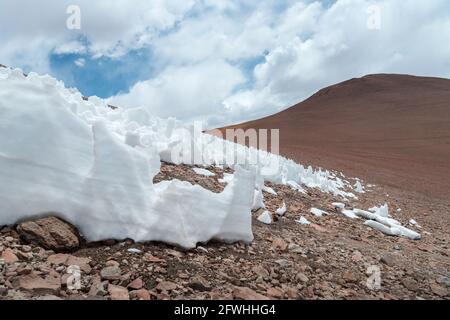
pixel 332 258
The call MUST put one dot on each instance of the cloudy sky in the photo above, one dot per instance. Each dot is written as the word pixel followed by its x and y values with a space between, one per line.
pixel 222 61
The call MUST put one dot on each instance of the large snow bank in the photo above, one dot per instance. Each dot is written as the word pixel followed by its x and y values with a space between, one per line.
pixel 94 167
pixel 61 154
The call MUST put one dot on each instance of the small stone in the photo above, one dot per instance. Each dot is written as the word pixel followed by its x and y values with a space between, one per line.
pixel 8 256
pixel 141 294
pixel 275 293
pixel 445 281
pixel 438 290
pixel 98 288
pixel 166 286
pixel 279 244
pixel 388 259
pixel 410 284
pixel 3 291
pixel 302 277
pixel 58 259
pixel 350 276
pixel 26 249
pixel 357 256
pixel 261 271
pixel 118 292
pixel 111 273
pixel 112 263
pixel 283 263
pixel 136 284
pixel 243 293
pixel 151 258
pixel 200 284
pixel 292 293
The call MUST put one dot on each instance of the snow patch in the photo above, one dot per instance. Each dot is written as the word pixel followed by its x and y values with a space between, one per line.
pixel 281 211
pixel 265 218
pixel 203 172
pixel 318 213
pixel 303 221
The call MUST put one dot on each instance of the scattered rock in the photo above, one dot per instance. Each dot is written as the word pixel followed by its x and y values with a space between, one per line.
pixel 438 290
pixel 243 293
pixel 141 294
pixel 410 284
pixel 279 244
pixel 301 277
pixel 152 259
pixel 69 260
pixel 136 284
pixel 8 256
pixel 111 273
pixel 275 293
pixel 166 286
pixel 118 292
pixel 98 288
pixel 200 284
pixel 261 271
pixel 51 233
pixel 283 263
pixel 357 256
pixel 36 285
pixel 388 259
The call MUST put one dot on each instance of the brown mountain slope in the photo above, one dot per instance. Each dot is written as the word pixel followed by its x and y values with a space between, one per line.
pixel 390 129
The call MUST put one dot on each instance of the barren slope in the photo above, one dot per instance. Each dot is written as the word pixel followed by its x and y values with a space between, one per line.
pixel 390 129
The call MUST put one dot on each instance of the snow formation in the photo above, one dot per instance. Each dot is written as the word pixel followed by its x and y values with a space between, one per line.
pixel 93 166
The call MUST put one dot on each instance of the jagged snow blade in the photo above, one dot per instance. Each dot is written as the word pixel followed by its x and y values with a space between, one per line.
pixel 258 200
pixel 318 213
pixel 269 190
pixel 281 211
pixel 74 161
pixel 349 214
pixel 393 231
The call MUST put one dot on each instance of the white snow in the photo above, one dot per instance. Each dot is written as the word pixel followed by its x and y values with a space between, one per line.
pixel 134 250
pixel 358 187
pixel 318 213
pixel 265 217
pixel 338 205
pixel 94 167
pixel 258 200
pixel 269 190
pixel 281 211
pixel 203 172
pixel 381 220
pixel 303 221
pixel 349 214
pixel 227 178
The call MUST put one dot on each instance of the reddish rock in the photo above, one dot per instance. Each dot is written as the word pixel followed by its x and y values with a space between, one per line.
pixel 275 293
pixel 51 233
pixel 141 294
pixel 242 293
pixel 166 286
pixel 279 244
pixel 8 256
pixel 69 260
pixel 36 285
pixel 151 258
pixel 136 284
pixel 118 292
